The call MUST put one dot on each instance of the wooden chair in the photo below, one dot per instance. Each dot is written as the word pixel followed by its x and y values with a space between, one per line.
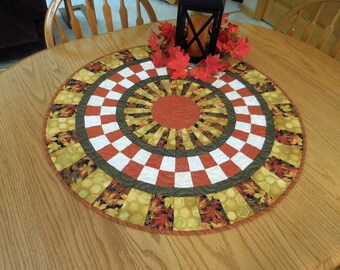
pixel 315 22
pixel 51 18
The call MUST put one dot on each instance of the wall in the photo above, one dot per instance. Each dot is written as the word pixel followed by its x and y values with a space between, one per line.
pixel 251 4
pixel 249 7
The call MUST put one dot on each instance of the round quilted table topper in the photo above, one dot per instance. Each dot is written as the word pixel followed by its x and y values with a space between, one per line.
pixel 173 156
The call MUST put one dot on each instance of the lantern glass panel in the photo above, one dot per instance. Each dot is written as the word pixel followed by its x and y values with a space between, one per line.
pixel 201 22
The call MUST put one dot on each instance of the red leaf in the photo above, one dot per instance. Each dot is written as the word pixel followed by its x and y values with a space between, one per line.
pixel 224 35
pixel 198 73
pixel 240 48
pixel 158 58
pixel 173 51
pixel 224 19
pixel 164 52
pixel 214 64
pixel 167 30
pixel 153 41
pixel 233 29
pixel 209 67
pixel 179 73
pixel 178 61
pixel 221 47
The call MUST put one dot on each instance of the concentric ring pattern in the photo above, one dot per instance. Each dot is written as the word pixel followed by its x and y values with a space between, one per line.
pixel 173 155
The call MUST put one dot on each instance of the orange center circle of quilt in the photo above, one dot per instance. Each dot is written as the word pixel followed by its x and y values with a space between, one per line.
pixel 175 112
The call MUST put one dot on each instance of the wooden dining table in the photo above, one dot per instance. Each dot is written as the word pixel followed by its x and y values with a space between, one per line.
pixel 43 227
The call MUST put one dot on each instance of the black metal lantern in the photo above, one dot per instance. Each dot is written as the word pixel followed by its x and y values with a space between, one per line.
pixel 198 26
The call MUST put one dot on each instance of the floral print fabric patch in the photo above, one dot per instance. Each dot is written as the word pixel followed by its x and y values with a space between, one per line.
pixel 173 156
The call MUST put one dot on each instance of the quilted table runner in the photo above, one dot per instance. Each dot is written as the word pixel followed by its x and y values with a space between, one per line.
pixel 173 156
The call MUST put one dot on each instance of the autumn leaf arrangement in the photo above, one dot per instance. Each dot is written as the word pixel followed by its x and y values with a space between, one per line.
pixel 164 53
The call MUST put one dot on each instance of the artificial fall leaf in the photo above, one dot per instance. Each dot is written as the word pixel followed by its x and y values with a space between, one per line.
pixel 214 65
pixel 167 30
pixel 240 49
pixel 229 43
pixel 179 74
pixel 208 67
pixel 223 36
pixel 159 59
pixel 233 29
pixel 178 62
pixel 199 72
pixel 153 41
pixel 224 19
pixel 164 52
pixel 223 47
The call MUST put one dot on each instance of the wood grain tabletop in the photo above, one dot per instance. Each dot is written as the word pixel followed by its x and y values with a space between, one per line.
pixel 43 227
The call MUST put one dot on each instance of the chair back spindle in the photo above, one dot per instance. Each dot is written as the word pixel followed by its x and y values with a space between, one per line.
pixel 92 20
pixel 74 21
pixel 149 10
pixel 311 26
pixel 62 36
pixel 139 20
pixel 91 17
pixel 123 15
pixel 107 16
pixel 291 30
pixel 328 31
pixel 307 22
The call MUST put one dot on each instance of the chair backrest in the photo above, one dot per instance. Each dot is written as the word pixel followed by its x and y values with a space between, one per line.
pixel 316 22
pixel 122 12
